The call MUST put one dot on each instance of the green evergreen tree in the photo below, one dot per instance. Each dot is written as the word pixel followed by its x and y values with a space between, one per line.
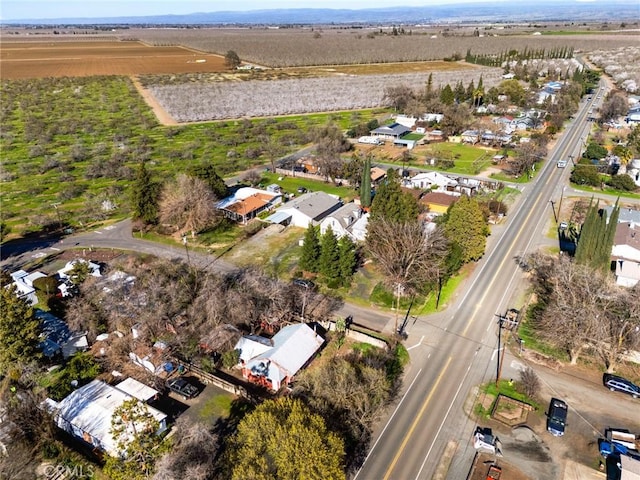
pixel 596 238
pixel 365 184
pixel 329 256
pixel 465 224
pixel 19 330
pixel 310 256
pixel 207 172
pixel 145 194
pixel 391 203
pixel 348 259
pixel 446 95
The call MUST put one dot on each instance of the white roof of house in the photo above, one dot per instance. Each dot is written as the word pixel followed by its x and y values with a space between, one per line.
pixel 91 407
pixel 94 268
pixel 250 346
pixel 137 389
pixel 346 215
pixel 293 346
pixel 434 178
pixel 32 277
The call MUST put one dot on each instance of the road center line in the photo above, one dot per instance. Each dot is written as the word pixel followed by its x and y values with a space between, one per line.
pixel 417 419
pixel 388 422
pixel 445 417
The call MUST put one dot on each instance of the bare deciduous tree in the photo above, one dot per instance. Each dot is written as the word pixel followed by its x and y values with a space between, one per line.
pixel 407 253
pixel 189 204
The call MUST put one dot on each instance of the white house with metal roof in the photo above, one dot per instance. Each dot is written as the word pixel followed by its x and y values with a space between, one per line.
pixel 309 208
pixel 23 281
pixel 342 220
pixel 275 362
pixel 87 412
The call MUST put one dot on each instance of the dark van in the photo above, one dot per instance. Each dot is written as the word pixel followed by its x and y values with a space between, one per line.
pixel 557 417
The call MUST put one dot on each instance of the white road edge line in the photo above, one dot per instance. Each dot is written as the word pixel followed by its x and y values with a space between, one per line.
pixel 387 424
pixel 417 344
pixel 444 418
pixel 54 248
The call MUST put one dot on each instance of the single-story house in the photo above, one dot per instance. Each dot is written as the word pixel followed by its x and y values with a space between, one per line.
pixel 273 363
pixel 247 202
pixel 625 215
pixel 433 135
pixel 94 268
pixel 439 202
pixel 23 281
pixel 522 123
pixel 87 412
pixel 377 174
pixel 470 136
pixel 405 142
pixel 391 132
pixel 429 180
pixel 342 220
pixel 308 208
pixel 626 254
pixel 57 338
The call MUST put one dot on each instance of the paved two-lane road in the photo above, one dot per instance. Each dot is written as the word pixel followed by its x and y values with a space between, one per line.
pixel 454 351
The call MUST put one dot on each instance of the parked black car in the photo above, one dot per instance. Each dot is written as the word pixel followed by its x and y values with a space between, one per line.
pixel 557 417
pixel 182 387
pixel 619 384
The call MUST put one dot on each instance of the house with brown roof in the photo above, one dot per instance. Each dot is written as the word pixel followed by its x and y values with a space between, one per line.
pixel 247 203
pixel 626 254
pixel 377 174
pixel 439 202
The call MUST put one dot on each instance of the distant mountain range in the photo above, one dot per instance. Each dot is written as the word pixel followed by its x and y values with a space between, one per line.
pixel 516 11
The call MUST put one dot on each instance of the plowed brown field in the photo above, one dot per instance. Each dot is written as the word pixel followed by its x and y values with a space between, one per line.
pixel 79 58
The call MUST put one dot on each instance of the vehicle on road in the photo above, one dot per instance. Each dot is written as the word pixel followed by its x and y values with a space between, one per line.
pixel 557 417
pixel 180 386
pixel 620 384
pixel 562 163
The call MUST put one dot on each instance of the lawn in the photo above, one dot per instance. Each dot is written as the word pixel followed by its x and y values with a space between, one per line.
pixel 291 185
pixel 367 288
pixel 467 159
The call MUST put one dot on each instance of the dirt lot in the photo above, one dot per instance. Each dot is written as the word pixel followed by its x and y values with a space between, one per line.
pixel 20 60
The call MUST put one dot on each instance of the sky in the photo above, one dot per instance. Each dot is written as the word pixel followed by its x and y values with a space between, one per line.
pixel 18 9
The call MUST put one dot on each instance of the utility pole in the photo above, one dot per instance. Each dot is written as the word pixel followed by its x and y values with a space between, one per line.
pixel 499 364
pixel 553 207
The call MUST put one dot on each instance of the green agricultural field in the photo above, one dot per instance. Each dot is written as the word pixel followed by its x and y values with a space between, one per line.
pixel 72 146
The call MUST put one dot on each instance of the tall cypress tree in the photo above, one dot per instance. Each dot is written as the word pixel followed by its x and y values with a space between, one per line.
pixel 310 256
pixel 365 184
